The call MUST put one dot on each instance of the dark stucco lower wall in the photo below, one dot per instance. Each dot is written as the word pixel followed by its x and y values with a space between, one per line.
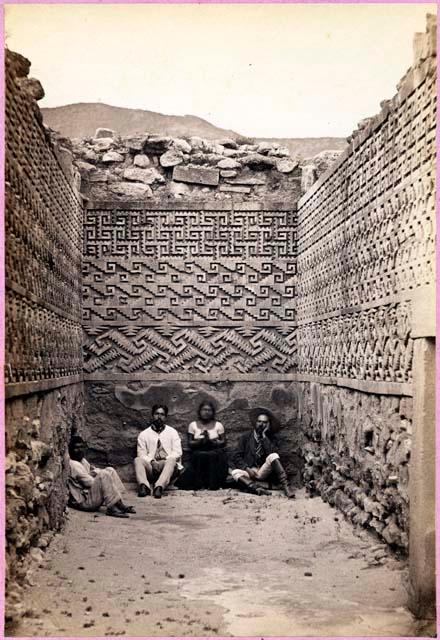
pixel 116 413
pixel 38 428
pixel 357 451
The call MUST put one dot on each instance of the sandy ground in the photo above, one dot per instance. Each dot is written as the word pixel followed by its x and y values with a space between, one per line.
pixel 217 563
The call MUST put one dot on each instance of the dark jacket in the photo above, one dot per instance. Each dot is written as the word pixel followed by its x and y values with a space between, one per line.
pixel 244 454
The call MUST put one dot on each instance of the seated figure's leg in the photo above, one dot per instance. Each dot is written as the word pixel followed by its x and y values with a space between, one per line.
pixel 144 471
pixel 167 468
pixel 282 476
pixel 116 479
pixel 266 468
pixel 102 492
pixel 243 479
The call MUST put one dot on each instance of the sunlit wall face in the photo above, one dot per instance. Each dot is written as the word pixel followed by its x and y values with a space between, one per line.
pixel 264 70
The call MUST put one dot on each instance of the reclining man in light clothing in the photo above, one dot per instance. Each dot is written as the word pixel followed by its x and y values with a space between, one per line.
pixel 159 451
pixel 90 488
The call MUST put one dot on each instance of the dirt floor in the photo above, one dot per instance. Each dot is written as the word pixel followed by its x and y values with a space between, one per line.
pixel 217 563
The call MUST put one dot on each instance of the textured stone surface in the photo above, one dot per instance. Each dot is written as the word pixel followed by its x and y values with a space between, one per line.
pixel 37 432
pixel 196 175
pixel 357 452
pixel 148 176
pixel 117 412
pixel 286 165
pixel 234 189
pixel 43 331
pixel 112 156
pixel 141 160
pixel 130 190
pixel 101 132
pixel 171 158
pixel 229 163
pixel 204 156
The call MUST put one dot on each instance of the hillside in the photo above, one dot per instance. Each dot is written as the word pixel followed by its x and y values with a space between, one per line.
pixel 82 119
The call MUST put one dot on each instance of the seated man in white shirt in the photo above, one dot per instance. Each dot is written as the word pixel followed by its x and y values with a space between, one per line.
pixel 159 451
pixel 90 488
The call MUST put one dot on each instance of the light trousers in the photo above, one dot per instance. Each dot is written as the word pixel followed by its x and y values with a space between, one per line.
pixel 261 472
pixel 106 490
pixel 161 473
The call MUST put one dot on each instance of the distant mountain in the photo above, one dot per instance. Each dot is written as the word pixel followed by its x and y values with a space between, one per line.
pixel 82 119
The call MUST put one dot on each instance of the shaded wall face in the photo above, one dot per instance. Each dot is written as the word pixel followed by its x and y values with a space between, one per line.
pixel 44 401
pixel 117 412
pixel 366 255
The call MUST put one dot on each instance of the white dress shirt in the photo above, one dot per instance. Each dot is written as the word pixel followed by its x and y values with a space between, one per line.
pixel 170 441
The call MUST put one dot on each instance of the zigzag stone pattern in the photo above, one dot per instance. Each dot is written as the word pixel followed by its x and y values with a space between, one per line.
pixel 166 349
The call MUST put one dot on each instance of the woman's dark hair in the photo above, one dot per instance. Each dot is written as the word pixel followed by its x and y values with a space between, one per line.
pixel 159 406
pixel 206 403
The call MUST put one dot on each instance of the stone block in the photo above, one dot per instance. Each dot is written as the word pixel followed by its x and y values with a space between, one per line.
pixel 286 165
pixel 308 177
pixel 258 161
pixel 33 87
pixel 97 176
pixel 234 189
pixel 280 152
pixel 136 142
pixel 90 155
pixel 141 160
pixel 264 147
pixel 171 158
pixel 229 163
pixel 157 144
pixel 182 145
pixel 101 132
pixel 85 167
pixel 147 176
pixel 227 143
pixel 196 175
pixel 112 156
pixel 131 190
pixel 228 174
pixel 248 180
pixel 102 144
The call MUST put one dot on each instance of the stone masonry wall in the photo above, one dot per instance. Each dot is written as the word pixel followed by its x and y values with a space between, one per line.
pixel 43 360
pixel 365 266
pixel 153 167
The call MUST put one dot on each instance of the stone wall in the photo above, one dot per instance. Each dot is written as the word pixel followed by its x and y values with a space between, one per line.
pixel 160 168
pixel 43 360
pixel 365 274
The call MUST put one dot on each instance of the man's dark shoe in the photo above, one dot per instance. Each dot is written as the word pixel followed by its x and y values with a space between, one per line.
pixel 115 512
pixel 158 491
pixel 143 491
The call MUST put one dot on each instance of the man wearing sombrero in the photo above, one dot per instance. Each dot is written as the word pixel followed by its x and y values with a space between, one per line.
pixel 255 457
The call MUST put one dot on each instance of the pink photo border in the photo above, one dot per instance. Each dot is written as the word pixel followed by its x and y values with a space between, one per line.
pixel 2 280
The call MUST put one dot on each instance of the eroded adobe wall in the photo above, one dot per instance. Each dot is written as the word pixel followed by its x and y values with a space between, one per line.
pixel 183 302
pixel 365 278
pixel 43 373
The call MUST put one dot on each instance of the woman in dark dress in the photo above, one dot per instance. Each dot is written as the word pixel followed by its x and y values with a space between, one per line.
pixel 207 444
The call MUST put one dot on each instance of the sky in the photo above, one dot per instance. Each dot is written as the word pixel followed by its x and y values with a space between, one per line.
pixel 286 70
